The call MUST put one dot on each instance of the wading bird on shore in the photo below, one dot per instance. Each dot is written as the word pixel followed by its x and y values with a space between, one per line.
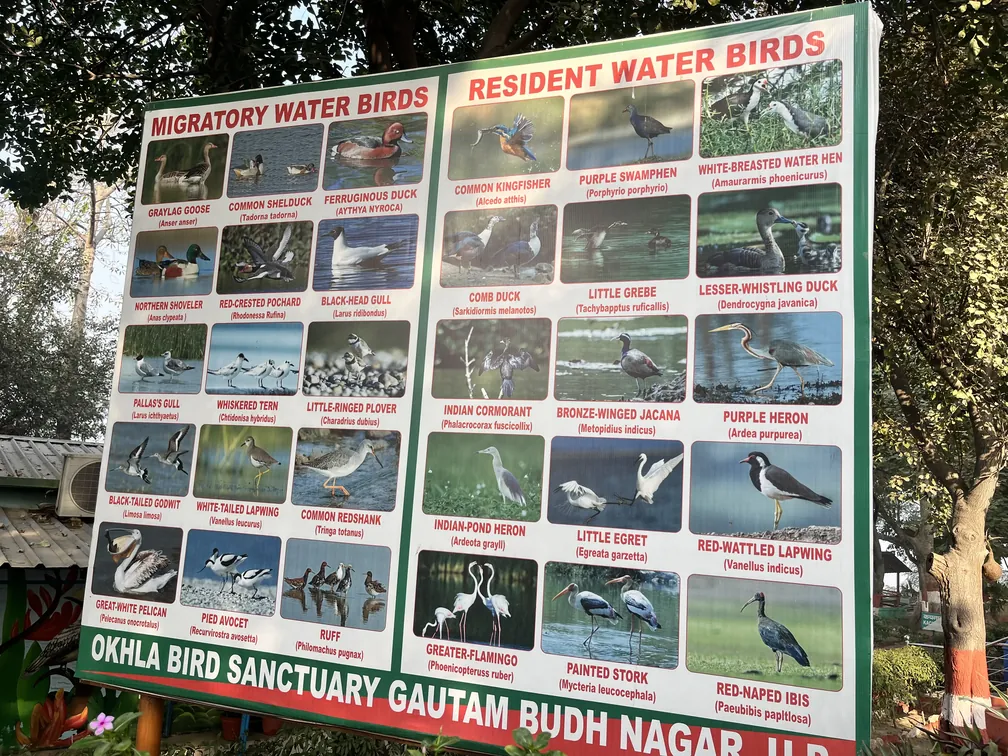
pixel 591 604
pixel 646 127
pixel 224 566
pixel 464 601
pixel 340 463
pixel 639 606
pixel 441 616
pixel 636 364
pixel 778 485
pixel 775 636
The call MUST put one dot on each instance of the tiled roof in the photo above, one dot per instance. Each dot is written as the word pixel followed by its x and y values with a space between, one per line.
pixel 36 460
pixel 31 538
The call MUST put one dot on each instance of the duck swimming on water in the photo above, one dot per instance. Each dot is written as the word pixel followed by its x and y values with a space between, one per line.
pixel 659 241
pixel 373 148
pixel 752 260
pixel 253 168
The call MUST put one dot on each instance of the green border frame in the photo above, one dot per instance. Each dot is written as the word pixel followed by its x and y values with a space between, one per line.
pixel 862 198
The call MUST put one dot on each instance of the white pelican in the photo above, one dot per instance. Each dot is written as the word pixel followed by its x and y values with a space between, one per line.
pixel 251 579
pixel 496 603
pixel 648 483
pixel 464 601
pixel 441 616
pixel 224 565
pixel 591 604
pixel 583 497
pixel 138 571
pixel 344 255
pixel 639 606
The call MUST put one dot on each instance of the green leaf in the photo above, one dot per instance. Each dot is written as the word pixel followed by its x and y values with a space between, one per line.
pixel 541 740
pixel 121 723
pixel 522 737
pixel 104 747
pixel 513 750
pixel 85 744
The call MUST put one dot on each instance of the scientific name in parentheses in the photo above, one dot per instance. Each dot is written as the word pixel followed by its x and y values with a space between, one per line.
pixel 249 208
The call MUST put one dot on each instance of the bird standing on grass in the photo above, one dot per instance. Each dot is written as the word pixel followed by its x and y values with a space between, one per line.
pixel 799 121
pixel 778 485
pixel 260 459
pixel 251 579
pixel 507 483
pixel 775 636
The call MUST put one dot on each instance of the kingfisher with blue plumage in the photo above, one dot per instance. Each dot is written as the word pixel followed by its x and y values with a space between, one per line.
pixel 514 140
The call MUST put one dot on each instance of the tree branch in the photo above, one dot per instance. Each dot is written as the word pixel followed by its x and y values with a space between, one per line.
pixel 501 27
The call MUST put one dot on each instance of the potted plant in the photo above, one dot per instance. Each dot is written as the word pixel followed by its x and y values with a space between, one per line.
pixel 230 725
pixel 271 725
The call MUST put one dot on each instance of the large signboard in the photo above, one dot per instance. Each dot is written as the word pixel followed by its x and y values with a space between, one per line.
pixel 528 392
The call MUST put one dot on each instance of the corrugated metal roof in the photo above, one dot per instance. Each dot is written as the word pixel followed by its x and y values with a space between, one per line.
pixel 38 459
pixel 31 538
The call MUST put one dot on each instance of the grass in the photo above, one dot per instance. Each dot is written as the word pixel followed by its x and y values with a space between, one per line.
pixel 186 342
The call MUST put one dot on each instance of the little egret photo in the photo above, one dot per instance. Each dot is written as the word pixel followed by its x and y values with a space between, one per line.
pixel 759 232
pixel 612 614
pixel 631 126
pixel 784 492
pixel 640 239
pixel 150 458
pixel 162 359
pixel 177 263
pixel 505 247
pixel 506 139
pixel 265 258
pixel 775 109
pixel 231 572
pixel 275 161
pixel 357 358
pixel 387 151
pixel 183 170
pixel 351 469
pixel 492 359
pixel 355 254
pixel 780 633
pixel 341 584
pixel 244 463
pixel 616 483
pixel 254 358
pixel 621 359
pixel 491 475
pixel 769 358
pixel 137 561
pixel 475 598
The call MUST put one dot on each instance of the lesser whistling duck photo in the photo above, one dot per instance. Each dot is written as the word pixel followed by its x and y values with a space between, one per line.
pixel 229 571
pixel 282 160
pixel 383 151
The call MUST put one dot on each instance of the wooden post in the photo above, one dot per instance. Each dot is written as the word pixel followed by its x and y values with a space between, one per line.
pixel 150 724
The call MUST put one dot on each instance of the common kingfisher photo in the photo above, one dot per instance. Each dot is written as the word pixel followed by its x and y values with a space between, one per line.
pixel 513 141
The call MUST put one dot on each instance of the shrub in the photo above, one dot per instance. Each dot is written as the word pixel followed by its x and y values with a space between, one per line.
pixel 900 675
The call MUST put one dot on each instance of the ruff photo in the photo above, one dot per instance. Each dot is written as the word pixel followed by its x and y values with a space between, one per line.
pixel 357 358
pixel 620 359
pixel 350 469
pixel 275 161
pixel 492 359
pixel 386 151
pixel 776 358
pixel 780 633
pixel 341 584
pixel 355 254
pixel 244 463
pixel 644 239
pixel 150 458
pixel 488 601
pixel 265 258
pixel 775 109
pixel 182 170
pixel 231 572
pixel 490 475
pixel 758 232
pixel 505 247
pixel 162 359
pixel 137 561
pixel 784 492
pixel 506 139
pixel 254 358
pixel 631 126
pixel 611 614
pixel 178 263
pixel 616 483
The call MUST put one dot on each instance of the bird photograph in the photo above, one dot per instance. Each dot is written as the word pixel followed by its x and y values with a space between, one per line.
pixel 347 584
pixel 770 110
pixel 357 152
pixel 780 231
pixel 506 139
pixel 493 598
pixel 486 475
pixel 618 240
pixel 630 126
pixel 505 359
pixel 769 358
pixel 769 491
pixel 166 457
pixel 254 358
pixel 137 561
pixel 176 170
pixel 145 368
pixel 603 482
pixel 265 258
pixel 352 469
pixel 175 263
pixel 272 153
pixel 611 614
pixel 621 359
pixel 506 247
pixel 781 633
pixel 233 572
pixel 336 366
pixel 243 463
pixel 366 253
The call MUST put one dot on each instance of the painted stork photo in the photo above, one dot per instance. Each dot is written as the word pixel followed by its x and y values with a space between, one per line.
pixel 611 614
pixel 350 469
pixel 183 170
pixel 770 110
pixel 385 151
pixel 137 562
pixel 232 572
pixel 781 633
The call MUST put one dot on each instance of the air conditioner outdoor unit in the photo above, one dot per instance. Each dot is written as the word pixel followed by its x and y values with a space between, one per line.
pixel 78 488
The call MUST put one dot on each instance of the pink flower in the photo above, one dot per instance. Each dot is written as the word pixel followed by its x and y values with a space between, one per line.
pixel 100 725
